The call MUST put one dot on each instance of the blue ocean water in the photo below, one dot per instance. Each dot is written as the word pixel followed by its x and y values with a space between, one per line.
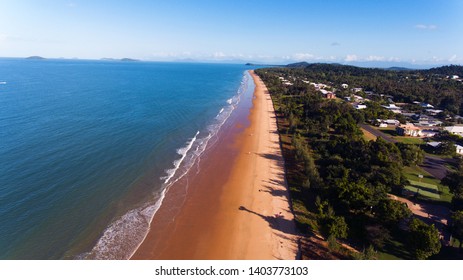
pixel 87 148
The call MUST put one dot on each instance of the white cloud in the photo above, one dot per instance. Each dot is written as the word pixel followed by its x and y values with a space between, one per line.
pixel 426 27
pixel 394 59
pixel 351 57
pixel 218 55
pixel 453 58
pixel 302 56
pixel 375 58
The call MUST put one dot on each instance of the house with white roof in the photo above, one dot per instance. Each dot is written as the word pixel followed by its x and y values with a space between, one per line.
pixel 456 129
pixel 392 107
pixel 359 106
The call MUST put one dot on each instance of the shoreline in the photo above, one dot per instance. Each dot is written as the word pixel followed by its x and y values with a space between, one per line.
pixel 236 206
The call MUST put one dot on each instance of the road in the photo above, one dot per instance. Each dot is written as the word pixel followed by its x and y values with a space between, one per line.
pixel 435 166
pixel 378 133
pixel 432 164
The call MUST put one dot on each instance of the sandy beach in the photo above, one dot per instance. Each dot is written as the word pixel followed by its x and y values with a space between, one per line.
pixel 236 204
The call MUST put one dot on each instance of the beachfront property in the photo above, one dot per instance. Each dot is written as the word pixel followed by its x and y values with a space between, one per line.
pixel 456 129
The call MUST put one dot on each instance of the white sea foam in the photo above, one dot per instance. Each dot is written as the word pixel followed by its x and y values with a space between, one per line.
pixel 183 152
pixel 121 239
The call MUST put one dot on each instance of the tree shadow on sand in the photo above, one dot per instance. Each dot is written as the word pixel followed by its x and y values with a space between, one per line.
pixel 273 192
pixel 276 222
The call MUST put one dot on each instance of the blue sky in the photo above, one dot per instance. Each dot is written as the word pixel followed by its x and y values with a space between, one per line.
pixel 418 32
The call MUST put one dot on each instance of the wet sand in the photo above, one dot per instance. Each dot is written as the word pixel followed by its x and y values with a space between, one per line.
pixel 235 203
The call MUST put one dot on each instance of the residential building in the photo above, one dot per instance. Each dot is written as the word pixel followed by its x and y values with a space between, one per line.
pixel 359 106
pixel 410 129
pixel 456 129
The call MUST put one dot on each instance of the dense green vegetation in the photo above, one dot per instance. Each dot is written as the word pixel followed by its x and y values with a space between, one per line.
pixel 340 183
pixel 454 180
pixel 433 86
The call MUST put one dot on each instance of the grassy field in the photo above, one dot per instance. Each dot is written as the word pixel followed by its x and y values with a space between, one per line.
pixel 427 184
pixel 409 140
pixel 402 139
pixel 368 135
pixel 424 189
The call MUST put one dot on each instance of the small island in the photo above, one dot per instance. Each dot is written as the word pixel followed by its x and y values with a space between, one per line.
pixel 122 59
pixel 129 59
pixel 35 57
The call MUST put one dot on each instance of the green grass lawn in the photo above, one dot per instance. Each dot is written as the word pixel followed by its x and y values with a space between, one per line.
pixel 402 139
pixel 427 184
pixel 424 189
pixel 409 140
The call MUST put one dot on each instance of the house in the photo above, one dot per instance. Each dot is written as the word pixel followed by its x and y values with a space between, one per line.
pixel 330 95
pixel 459 149
pixel 433 112
pixel 429 123
pixel 356 90
pixel 426 105
pixel 344 86
pixel 408 129
pixel 391 107
pixel 428 133
pixel 359 106
pixel 455 77
pixel 392 122
pixel 357 98
pixel 385 123
pixel 456 129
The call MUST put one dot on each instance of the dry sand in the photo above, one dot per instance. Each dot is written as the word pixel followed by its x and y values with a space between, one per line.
pixel 237 205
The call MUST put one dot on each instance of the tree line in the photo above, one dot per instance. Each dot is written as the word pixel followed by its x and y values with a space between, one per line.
pixel 343 179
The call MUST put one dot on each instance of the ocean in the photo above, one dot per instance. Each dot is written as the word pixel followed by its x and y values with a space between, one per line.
pixel 89 148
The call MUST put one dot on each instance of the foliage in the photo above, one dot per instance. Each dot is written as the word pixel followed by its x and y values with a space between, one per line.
pixel 342 178
pixel 432 86
pixel 454 180
pixel 411 154
pixel 446 147
pixel 334 226
pixel 367 254
pixel 391 212
pixel 423 239
pixel 457 226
